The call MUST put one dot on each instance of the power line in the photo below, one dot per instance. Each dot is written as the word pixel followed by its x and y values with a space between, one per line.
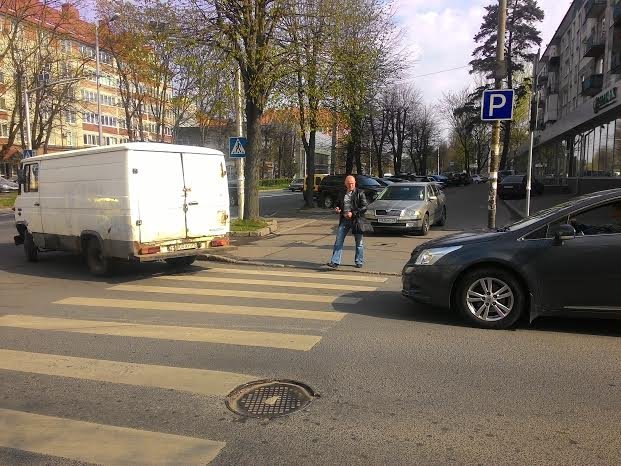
pixel 439 72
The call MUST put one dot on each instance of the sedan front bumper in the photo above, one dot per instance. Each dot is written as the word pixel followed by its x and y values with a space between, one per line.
pixel 398 224
pixel 429 284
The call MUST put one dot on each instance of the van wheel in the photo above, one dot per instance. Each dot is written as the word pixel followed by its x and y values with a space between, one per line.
pixel 98 264
pixel 181 261
pixel 30 248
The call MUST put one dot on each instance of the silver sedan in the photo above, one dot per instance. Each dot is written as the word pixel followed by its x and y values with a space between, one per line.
pixel 408 206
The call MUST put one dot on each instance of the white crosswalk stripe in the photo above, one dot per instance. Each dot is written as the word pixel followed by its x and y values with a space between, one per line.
pixel 101 444
pixel 108 444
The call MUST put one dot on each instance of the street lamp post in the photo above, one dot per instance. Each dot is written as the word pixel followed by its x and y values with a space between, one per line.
pixel 114 17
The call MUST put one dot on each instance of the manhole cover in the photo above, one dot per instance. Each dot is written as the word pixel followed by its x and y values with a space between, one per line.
pixel 269 398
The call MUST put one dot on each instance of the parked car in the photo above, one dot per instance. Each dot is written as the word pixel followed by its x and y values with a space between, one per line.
pixel 563 260
pixel 428 179
pixel 514 187
pixel 383 181
pixel 502 174
pixel 441 179
pixel 477 179
pixel 394 179
pixel 296 185
pixel 453 178
pixel 316 183
pixel 331 186
pixel 8 186
pixel 408 206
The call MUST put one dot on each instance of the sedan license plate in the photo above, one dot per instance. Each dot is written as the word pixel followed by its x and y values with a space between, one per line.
pixel 386 220
pixel 508 187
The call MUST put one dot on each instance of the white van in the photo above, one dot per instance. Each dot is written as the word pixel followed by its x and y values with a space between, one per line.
pixel 137 201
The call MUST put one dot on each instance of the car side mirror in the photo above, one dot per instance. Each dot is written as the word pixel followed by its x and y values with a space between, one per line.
pixel 433 198
pixel 564 232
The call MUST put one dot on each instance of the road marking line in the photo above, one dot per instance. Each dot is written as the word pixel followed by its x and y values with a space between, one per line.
pixel 199 307
pixel 164 332
pixel 202 381
pixel 99 443
pixel 305 298
pixel 328 275
pixel 246 281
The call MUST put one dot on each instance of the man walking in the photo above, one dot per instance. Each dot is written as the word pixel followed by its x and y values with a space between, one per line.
pixel 351 206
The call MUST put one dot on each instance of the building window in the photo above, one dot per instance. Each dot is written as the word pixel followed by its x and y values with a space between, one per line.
pixel 70 117
pixel 2 102
pixel 69 139
pixel 4 130
pixel 90 139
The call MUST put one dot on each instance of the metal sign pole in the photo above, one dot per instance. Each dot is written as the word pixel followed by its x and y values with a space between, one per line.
pixel 534 115
pixel 240 162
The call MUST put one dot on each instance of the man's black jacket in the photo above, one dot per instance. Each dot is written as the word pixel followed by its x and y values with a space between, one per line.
pixel 359 203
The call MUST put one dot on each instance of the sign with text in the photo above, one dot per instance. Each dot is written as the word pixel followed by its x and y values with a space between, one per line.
pixel 497 105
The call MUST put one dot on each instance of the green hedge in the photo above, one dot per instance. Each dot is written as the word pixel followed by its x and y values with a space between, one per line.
pixel 274 182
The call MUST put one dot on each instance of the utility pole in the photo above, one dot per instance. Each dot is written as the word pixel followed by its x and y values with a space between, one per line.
pixel 438 171
pixel 499 76
pixel 240 132
pixel 534 115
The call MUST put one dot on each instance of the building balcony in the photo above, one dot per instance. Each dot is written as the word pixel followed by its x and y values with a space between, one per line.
pixel 594 8
pixel 595 46
pixel 554 57
pixel 593 84
pixel 615 63
pixel 616 15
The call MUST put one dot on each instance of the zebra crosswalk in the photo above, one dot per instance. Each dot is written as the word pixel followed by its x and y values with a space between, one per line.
pixel 192 308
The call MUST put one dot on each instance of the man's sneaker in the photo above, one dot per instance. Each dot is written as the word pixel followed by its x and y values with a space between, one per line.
pixel 332 265
pixel 358 266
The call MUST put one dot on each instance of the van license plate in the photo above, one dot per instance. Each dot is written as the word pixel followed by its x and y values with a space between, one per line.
pixel 386 220
pixel 183 247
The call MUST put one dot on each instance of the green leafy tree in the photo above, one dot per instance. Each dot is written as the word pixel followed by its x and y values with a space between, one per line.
pixel 522 37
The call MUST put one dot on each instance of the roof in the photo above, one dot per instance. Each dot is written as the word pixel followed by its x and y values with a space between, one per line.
pixel 134 146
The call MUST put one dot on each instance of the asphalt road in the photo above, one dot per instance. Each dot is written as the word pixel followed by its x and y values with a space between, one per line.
pixel 89 371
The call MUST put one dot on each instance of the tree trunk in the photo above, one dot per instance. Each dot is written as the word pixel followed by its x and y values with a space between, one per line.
pixel 251 192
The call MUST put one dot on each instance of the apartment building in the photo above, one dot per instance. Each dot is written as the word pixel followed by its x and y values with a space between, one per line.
pixel 73 56
pixel 578 142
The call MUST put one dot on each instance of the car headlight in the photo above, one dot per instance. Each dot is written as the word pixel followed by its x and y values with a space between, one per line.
pixel 411 213
pixel 431 256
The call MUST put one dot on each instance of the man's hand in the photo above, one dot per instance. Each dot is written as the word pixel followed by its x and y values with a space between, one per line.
pixel 348 215
pixel 338 210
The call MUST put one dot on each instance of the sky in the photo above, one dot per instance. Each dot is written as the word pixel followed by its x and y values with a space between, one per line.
pixel 439 34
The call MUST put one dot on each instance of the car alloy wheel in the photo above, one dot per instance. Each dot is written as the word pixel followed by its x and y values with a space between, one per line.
pixel 491 298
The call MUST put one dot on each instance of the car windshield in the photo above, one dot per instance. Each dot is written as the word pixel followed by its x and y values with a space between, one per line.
pixel 403 193
pixel 528 221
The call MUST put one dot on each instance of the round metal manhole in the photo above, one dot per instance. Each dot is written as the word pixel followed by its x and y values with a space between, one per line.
pixel 269 398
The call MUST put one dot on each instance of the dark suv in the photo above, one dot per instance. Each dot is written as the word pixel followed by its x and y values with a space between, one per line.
pixel 332 185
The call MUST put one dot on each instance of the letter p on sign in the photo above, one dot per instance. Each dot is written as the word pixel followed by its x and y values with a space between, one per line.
pixel 497 105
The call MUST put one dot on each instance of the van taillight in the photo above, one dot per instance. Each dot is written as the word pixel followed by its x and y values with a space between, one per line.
pixel 150 250
pixel 219 242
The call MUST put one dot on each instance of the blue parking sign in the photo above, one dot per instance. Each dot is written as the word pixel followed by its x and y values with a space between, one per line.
pixel 497 105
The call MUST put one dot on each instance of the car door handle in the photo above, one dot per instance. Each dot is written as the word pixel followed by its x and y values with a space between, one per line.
pixel 37 204
pixel 193 203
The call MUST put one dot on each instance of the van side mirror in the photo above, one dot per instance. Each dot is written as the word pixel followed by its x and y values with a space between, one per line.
pixel 564 232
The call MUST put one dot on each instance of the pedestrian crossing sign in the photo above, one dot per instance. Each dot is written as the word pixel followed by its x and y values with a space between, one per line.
pixel 237 147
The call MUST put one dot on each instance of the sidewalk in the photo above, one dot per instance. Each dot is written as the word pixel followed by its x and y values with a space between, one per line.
pixel 537 203
pixel 307 243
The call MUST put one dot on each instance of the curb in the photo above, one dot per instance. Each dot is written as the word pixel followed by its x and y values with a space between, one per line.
pixel 231 260
pixel 268 230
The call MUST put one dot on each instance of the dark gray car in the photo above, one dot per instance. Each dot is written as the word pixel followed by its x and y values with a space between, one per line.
pixel 563 260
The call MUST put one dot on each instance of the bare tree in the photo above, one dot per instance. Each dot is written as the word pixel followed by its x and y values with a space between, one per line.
pixel 424 135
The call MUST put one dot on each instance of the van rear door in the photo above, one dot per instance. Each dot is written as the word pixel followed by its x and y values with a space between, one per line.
pixel 158 179
pixel 207 195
